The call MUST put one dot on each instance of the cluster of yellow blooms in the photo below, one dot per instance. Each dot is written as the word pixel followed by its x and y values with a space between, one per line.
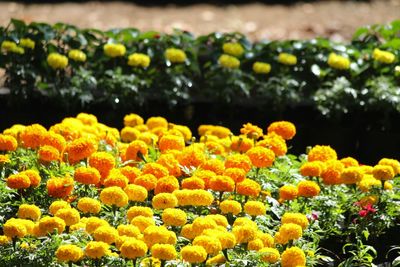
pixel 161 198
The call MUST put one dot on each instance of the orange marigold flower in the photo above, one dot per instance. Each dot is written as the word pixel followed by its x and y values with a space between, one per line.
pixel 395 164
pixel 131 173
pixel 18 181
pixel 57 205
pixel 4 159
pixel 252 131
pixel 33 135
pixel 274 142
pixel 261 157
pixel 48 154
pixel 34 177
pixel 185 131
pixel 220 131
pixel 133 120
pixel 214 165
pixel 191 156
pixel 237 175
pixel 195 197
pixel 352 175
pixel 54 140
pixel 222 183
pixel 248 188
pixel 193 183
pixel 308 189
pixel 332 172
pixel 164 201
pixel 116 178
pixel 139 211
pixel 349 162
pixel 154 122
pixel 383 172
pixel 312 169
pixel 136 193
pixel 129 134
pixel 230 206
pixel 148 181
pixel 288 192
pixel 322 153
pixel 215 148
pixel 87 175
pixel 241 144
pixel 8 143
pixel 156 169
pixel 171 163
pixel 204 175
pixel 238 161
pixel 60 187
pixel 114 195
pixel 80 149
pixel 103 162
pixel 283 128
pixel 167 184
pixel 149 138
pixel 136 150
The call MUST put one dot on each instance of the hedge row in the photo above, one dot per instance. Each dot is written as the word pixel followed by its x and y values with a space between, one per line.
pixel 77 68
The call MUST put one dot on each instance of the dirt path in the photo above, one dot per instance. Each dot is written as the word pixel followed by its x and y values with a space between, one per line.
pixel 334 19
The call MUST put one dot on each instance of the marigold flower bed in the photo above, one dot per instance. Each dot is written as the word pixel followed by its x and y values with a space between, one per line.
pixel 84 194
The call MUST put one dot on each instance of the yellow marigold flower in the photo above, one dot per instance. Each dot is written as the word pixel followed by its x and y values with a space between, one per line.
pixel 216 260
pixel 164 252
pixel 54 140
pixel 192 156
pixel 395 164
pixel 290 231
pixel 338 62
pixel 93 223
pixel 261 67
pixel 233 49
pixel 255 208
pixel 252 131
pixel 33 176
pixel 229 62
pixel 49 224
pixel 128 230
pixel 77 55
pixel 244 233
pixel 349 162
pixel 148 181
pixel 114 50
pixel 222 183
pixel 139 60
pixel 352 175
pixel 87 119
pixel 69 215
pixel 114 195
pixel 333 172
pixel 8 143
pixel 204 175
pixel 8 46
pixel 383 56
pixel 288 192
pixel 270 255
pixel 89 205
pixel 296 218
pixel 80 226
pixel 57 61
pixel 80 149
pixel 267 239
pixel 136 193
pixel 255 244
pixel 195 197
pixel 322 153
pixel 27 43
pixel 372 200
pixel 219 219
pixel 287 59
pixel 194 254
pixel 15 130
pixel 211 244
pixel 388 185
pixel 241 161
pixel 130 172
pixel 142 222
pixel 175 55
pixel 4 159
pixel 185 131
pixel 106 234
pixel 261 157
pixel 167 184
pixel 202 223
pixel 293 257
pixel 133 120
pixel 32 136
pixel 136 150
pixel 57 205
pixel 308 189
pixel 15 228
pixel 60 187
pixel 156 234
pixel 241 144
pixel 237 175
pixel 215 165
pixel 174 217
pixel 312 169
pixel 18 181
pixel 48 154
pixel 129 134
pixel 97 250
pixel 230 206
pixel 367 182
pixel 226 239
pixel 4 240
pixel 171 142
pixel 116 178
pixel 193 183
pixel 248 188
pixel 69 253
pixel 187 231
pixel 383 172
pixel 87 175
pixel 26 211
pixel 103 162
pixel 156 169
pixel 164 201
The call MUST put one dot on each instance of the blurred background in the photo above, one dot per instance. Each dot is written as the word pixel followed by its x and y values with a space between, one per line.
pixel 278 19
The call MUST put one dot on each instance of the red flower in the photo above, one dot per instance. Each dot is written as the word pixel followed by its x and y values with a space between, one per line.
pixel 367 209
